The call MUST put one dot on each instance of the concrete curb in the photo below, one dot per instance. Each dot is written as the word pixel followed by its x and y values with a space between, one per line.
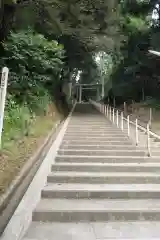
pixel 25 192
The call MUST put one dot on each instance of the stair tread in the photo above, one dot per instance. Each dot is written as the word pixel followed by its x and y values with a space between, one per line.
pixel 94 205
pixel 143 164
pixel 91 231
pixel 108 157
pixel 73 194
pixel 105 174
pixel 101 187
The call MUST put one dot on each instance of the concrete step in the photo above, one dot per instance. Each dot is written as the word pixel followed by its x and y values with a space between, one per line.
pixel 101 191
pixel 104 177
pixel 82 122
pixel 98 138
pixel 101 186
pixel 73 210
pixel 100 147
pixel 84 129
pixel 92 134
pixel 120 230
pixel 91 126
pixel 98 152
pixel 105 159
pixel 94 142
pixel 92 131
pixel 155 152
pixel 94 128
pixel 107 167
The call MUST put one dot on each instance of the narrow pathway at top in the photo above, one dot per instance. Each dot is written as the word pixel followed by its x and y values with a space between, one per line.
pixel 101 186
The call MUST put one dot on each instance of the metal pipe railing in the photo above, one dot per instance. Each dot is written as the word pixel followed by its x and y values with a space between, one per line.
pixel 110 114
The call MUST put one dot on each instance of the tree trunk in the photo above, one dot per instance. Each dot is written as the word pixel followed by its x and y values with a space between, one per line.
pixel 6 19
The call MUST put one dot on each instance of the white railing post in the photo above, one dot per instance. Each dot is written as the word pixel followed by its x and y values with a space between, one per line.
pixel 113 115
pixel 128 126
pixel 148 141
pixel 3 91
pixel 110 114
pixel 117 119
pixel 114 102
pixel 122 127
pixel 137 132
pixel 107 110
pixel 150 116
pixel 125 108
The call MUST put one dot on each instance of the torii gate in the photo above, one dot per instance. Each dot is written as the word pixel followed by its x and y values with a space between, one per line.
pixel 79 87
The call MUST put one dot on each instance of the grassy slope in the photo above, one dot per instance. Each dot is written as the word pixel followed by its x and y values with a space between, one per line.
pixel 16 152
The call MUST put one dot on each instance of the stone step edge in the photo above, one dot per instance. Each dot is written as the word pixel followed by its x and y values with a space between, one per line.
pixel 106 157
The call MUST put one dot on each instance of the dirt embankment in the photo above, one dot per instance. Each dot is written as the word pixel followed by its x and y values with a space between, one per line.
pixel 16 152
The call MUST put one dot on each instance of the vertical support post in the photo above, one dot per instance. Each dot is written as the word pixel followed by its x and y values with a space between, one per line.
pixel 128 126
pixel 102 87
pixel 132 106
pixel 125 108
pixel 150 116
pixel 70 90
pixel 143 94
pixel 102 75
pixel 77 93
pixel 107 110
pixel 114 102
pixel 110 113
pixel 117 118
pixel 148 141
pixel 3 91
pixel 137 132
pixel 122 126
pixel 113 115
pixel 80 93
pixel 97 97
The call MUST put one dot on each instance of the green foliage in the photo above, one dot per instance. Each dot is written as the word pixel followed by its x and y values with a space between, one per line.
pixel 83 27
pixel 34 63
pixel 131 71
pixel 16 120
pixel 19 118
pixel 135 24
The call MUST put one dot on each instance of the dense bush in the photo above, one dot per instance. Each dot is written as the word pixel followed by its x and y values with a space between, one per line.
pixel 35 64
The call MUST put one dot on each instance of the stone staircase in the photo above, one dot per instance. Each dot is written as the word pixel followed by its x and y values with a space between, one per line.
pixel 101 186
